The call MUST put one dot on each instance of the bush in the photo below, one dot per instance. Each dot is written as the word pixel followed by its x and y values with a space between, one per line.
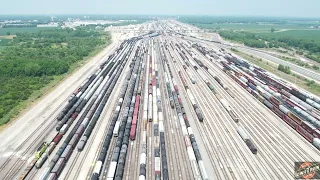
pixel 309 83
pixel 285 69
pixel 315 67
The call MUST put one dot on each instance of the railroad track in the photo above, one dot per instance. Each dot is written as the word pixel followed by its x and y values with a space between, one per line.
pixel 109 122
pixel 179 143
pixel 169 119
pixel 33 172
pixel 218 112
pixel 88 145
pixel 107 162
pixel 226 97
pixel 48 129
pixel 257 114
pixel 135 145
pixel 210 150
pixel 31 148
pixel 274 127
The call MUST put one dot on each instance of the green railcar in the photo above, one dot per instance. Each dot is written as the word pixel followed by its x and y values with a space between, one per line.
pixel 212 88
pixel 41 150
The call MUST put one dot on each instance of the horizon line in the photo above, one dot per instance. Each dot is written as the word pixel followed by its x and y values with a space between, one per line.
pixel 116 14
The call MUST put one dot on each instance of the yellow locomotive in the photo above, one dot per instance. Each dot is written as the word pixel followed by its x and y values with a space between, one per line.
pixel 41 150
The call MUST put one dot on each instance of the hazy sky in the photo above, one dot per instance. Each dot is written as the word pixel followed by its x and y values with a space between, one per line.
pixel 296 8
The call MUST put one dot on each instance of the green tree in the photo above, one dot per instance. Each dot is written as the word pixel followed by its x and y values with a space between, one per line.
pixel 8 33
pixel 285 69
pixel 315 67
pixel 272 30
pixel 281 67
pixel 309 83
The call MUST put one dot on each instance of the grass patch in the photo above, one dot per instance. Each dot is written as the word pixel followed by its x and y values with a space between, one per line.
pixel 313 35
pixel 4 42
pixel 263 27
pixel 273 68
pixel 3 31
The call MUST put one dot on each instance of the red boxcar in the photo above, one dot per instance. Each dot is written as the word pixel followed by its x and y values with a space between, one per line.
pixel 74 115
pixel 249 89
pixel 275 101
pixel 153 81
pixel 289 103
pixel 75 92
pixel 57 138
pixel 244 85
pixel 187 141
pixel 278 112
pixel 308 127
pixel 137 103
pixel 133 132
pixel 285 93
pixel 176 88
pixel 134 120
pixel 316 133
pixel 273 88
pixel 305 133
pixel 185 117
pixel 290 121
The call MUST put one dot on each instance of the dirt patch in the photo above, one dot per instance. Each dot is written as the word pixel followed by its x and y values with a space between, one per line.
pixel 7 37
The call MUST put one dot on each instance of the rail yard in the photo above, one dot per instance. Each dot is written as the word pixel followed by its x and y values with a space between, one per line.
pixel 163 106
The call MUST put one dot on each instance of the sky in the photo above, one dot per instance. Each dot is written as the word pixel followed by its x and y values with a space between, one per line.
pixel 283 8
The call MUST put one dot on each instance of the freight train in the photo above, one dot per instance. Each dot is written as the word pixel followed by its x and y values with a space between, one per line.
pixel 99 86
pixel 298 109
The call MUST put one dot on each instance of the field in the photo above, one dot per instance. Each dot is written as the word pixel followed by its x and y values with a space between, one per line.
pixel 3 31
pixel 263 27
pixel 297 34
pixel 4 42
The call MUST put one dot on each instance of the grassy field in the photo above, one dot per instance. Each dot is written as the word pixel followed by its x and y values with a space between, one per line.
pixel 311 34
pixel 251 27
pixel 292 78
pixel 297 31
pixel 4 42
pixel 3 31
